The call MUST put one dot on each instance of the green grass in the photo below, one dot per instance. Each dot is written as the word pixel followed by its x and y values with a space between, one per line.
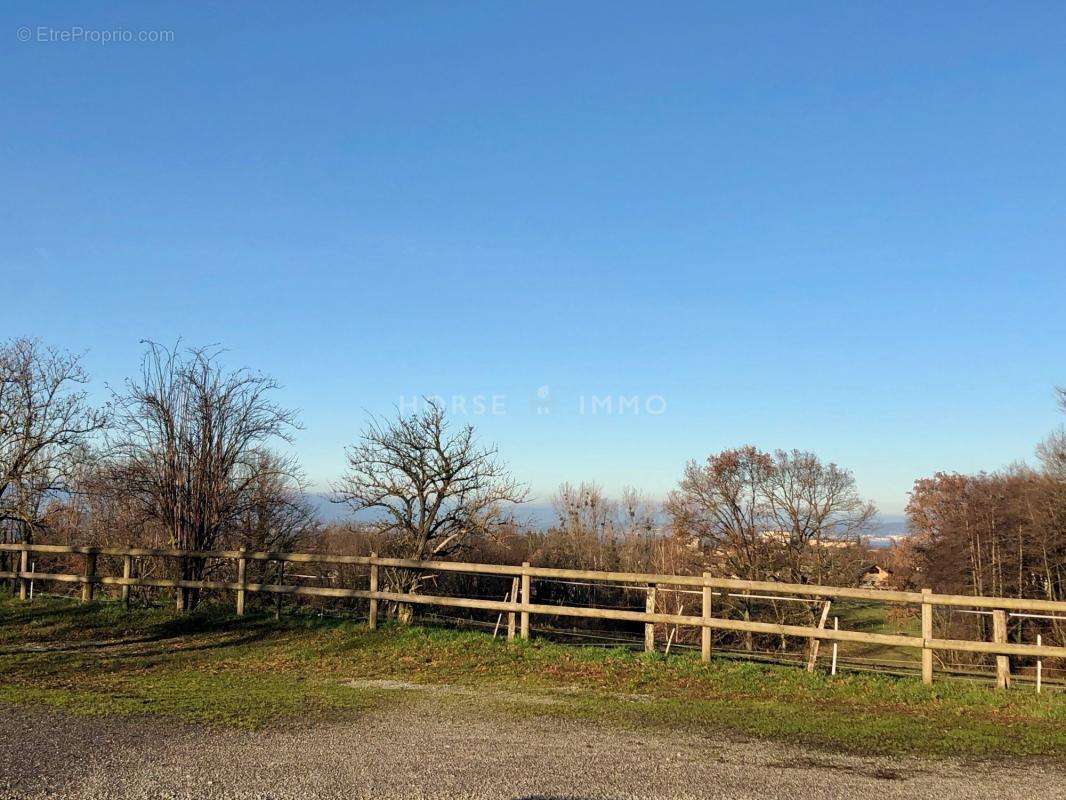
pixel 869 617
pixel 254 672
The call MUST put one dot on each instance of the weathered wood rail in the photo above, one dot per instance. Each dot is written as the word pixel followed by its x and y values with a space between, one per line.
pixel 523 606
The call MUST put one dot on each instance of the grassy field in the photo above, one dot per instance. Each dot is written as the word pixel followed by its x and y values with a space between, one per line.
pixel 869 617
pixel 252 672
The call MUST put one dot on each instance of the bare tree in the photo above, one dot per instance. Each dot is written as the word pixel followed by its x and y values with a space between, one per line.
pixel 637 514
pixel 585 510
pixel 764 515
pixel 592 529
pixel 45 430
pixel 815 504
pixel 430 488
pixel 1052 451
pixel 723 504
pixel 189 444
pixel 276 514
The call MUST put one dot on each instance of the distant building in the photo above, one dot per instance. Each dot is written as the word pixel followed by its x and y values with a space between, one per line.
pixel 784 538
pixel 876 577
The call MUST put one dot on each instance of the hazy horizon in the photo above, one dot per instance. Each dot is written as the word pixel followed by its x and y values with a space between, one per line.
pixel 542 513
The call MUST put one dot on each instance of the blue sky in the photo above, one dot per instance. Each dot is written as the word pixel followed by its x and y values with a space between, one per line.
pixel 839 227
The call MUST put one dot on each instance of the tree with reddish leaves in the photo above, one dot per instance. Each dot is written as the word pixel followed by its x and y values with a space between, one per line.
pixel 772 515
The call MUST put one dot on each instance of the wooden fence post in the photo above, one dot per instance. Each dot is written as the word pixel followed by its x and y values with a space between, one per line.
pixel 815 643
pixel 927 635
pixel 372 620
pixel 127 573
pixel 179 592
pixel 277 595
pixel 649 627
pixel 242 581
pixel 526 599
pixel 511 615
pixel 705 632
pixel 999 635
pixel 24 567
pixel 90 576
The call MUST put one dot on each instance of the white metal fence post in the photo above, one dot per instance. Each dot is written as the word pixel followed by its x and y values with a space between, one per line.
pixel 1039 663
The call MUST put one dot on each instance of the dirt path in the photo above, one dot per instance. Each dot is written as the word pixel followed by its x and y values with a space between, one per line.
pixel 425 753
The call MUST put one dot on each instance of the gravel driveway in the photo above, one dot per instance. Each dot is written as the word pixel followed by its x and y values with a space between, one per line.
pixel 422 752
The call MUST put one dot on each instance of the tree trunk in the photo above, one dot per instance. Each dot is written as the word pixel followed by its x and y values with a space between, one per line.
pixel 404 582
pixel 405 613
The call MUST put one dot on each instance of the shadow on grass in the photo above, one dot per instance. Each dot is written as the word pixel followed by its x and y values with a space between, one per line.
pixel 117 635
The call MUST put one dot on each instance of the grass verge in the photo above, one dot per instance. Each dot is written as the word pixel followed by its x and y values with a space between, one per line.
pixel 212 667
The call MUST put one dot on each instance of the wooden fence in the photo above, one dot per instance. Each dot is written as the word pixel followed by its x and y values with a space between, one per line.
pixel 520 600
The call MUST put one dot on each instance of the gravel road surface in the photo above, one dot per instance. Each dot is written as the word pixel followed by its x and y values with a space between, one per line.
pixel 422 752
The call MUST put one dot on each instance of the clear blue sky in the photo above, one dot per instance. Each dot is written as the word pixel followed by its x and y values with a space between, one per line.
pixel 839 227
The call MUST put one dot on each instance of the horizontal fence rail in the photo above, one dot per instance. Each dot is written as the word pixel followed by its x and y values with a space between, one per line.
pixel 519 601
